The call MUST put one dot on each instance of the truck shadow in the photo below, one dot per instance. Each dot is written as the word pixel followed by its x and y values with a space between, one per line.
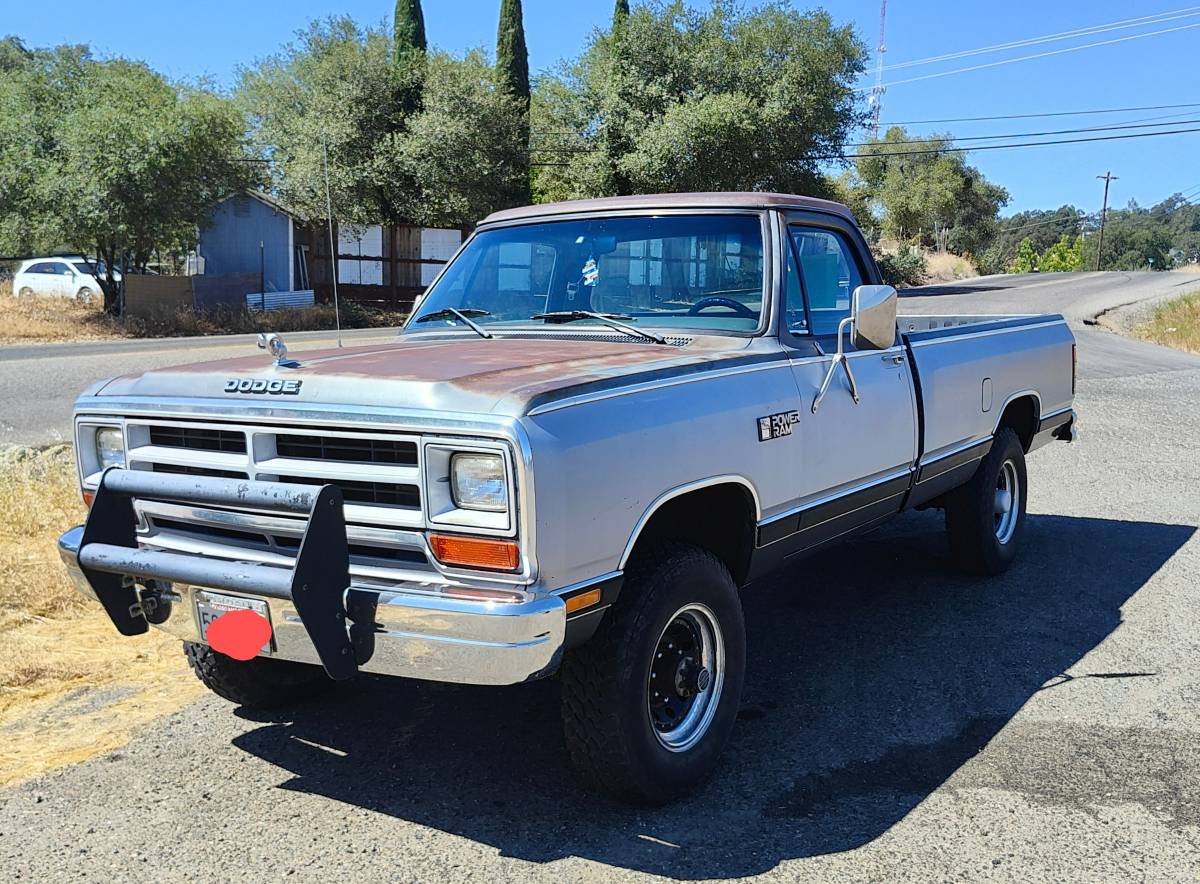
pixel 877 672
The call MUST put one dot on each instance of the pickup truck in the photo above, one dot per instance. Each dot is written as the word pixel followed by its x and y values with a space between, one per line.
pixel 602 419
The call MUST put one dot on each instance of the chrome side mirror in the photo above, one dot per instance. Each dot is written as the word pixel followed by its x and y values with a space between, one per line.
pixel 873 320
pixel 873 314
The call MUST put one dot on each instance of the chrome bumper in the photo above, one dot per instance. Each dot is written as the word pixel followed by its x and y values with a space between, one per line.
pixel 428 630
pixel 419 631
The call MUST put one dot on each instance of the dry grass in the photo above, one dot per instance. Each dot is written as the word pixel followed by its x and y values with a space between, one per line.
pixel 945 267
pixel 48 320
pixel 70 686
pixel 1187 268
pixel 1175 324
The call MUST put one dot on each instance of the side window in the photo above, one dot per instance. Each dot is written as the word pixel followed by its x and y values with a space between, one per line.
pixel 60 268
pixel 44 267
pixel 795 314
pixel 830 274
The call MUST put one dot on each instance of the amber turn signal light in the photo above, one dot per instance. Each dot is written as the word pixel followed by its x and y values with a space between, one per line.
pixel 475 552
pixel 88 498
pixel 583 600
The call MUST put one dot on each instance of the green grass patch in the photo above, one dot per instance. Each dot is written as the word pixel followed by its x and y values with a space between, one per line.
pixel 1175 324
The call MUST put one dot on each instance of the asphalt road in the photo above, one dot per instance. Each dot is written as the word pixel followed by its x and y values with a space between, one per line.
pixel 901 722
pixel 39 382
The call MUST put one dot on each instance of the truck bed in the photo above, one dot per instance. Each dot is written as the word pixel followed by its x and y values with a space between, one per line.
pixel 968 368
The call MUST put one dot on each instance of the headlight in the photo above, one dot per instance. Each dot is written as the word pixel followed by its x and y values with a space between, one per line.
pixel 110 448
pixel 477 482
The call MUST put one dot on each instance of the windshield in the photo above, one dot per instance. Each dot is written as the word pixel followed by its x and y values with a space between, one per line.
pixel 702 272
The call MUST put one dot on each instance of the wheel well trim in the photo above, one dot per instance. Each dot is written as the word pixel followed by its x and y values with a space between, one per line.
pixel 679 491
pixel 1023 394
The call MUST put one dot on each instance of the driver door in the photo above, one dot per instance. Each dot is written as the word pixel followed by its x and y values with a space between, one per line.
pixel 856 458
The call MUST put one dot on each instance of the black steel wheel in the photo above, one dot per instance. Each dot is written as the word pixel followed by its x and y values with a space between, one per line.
pixel 985 517
pixel 650 701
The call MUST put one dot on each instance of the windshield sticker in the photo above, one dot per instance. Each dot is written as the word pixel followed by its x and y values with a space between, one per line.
pixel 591 272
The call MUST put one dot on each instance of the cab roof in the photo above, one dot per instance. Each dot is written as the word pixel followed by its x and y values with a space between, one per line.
pixel 717 200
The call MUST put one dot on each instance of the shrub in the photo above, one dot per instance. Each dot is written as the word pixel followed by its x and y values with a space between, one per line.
pixel 906 267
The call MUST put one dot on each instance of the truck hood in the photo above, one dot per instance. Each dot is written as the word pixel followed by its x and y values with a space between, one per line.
pixel 501 375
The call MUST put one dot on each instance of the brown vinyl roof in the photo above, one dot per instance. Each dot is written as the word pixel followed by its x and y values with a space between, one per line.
pixel 719 200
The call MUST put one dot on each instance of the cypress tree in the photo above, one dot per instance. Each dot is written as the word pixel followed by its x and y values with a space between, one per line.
pixel 512 58
pixel 409 27
pixel 512 76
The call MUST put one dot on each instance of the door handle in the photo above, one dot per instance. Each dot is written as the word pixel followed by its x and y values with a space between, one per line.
pixel 894 358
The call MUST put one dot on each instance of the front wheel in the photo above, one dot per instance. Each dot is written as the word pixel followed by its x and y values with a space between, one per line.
pixel 85 295
pixel 259 683
pixel 985 517
pixel 649 703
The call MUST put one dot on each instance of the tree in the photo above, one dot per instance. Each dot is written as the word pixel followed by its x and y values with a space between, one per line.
pixel 138 167
pixel 1026 260
pixel 512 73
pixel 620 12
pixel 926 192
pixel 464 153
pixel 461 154
pixel 409 28
pixel 678 99
pixel 1065 256
pixel 1043 227
pixel 341 88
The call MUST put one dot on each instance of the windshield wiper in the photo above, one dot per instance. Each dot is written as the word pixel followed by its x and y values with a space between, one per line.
pixel 464 314
pixel 609 319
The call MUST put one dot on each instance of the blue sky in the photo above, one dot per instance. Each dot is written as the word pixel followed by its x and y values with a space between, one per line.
pixel 215 37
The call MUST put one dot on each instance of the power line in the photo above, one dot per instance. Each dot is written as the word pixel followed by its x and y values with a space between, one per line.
pixel 1186 12
pixel 936 150
pixel 1071 113
pixel 1006 146
pixel 992 64
pixel 1143 125
pixel 913 153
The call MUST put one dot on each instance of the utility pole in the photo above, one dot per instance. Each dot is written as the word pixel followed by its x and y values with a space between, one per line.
pixel 876 100
pixel 1107 178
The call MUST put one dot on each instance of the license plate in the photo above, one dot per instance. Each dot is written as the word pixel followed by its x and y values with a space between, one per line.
pixel 211 605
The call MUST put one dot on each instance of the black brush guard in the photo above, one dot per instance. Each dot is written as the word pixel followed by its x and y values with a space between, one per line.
pixel 317 585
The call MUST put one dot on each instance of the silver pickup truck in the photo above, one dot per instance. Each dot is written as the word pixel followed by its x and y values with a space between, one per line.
pixel 602 419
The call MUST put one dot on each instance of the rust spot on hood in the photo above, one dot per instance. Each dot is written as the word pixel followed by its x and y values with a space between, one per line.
pixel 513 370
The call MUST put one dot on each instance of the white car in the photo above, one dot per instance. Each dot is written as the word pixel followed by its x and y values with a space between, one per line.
pixel 64 277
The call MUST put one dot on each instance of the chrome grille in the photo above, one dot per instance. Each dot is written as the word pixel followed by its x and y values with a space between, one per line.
pixel 379 474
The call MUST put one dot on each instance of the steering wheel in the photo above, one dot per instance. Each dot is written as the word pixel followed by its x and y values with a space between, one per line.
pixel 736 306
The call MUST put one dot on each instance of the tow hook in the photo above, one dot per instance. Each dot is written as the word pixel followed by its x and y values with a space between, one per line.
pixel 154 601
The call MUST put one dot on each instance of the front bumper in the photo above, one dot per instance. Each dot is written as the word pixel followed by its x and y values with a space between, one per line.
pixel 418 630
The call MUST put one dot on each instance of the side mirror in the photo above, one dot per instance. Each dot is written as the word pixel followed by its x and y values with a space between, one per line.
pixel 873 322
pixel 873 311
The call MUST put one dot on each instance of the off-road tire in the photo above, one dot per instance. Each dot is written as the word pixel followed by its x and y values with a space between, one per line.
pixel 260 683
pixel 606 720
pixel 970 513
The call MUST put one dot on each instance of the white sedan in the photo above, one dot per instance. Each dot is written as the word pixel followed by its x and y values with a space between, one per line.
pixel 68 277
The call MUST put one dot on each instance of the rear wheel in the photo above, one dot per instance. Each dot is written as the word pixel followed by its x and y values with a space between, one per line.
pixel 649 703
pixel 260 683
pixel 985 517
pixel 25 292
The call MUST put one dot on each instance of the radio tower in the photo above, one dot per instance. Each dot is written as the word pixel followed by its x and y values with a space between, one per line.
pixel 876 100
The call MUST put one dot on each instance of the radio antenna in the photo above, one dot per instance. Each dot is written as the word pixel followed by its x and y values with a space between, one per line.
pixel 333 259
